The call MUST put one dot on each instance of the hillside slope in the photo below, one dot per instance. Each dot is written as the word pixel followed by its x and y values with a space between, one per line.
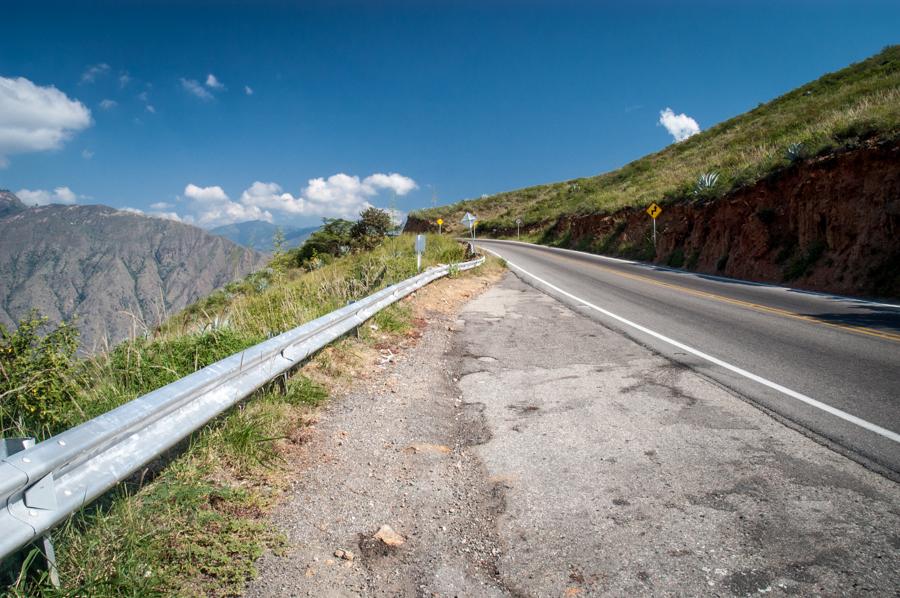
pixel 807 192
pixel 836 111
pixel 116 272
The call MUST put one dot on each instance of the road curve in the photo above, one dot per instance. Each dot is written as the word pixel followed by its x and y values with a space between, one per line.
pixel 827 365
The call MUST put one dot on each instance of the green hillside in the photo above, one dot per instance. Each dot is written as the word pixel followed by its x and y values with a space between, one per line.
pixel 838 110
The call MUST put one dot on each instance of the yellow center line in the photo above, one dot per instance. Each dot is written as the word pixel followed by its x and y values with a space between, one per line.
pixel 754 306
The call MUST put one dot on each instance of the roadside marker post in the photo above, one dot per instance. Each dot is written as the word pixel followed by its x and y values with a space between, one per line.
pixel 654 211
pixel 420 249
pixel 518 225
pixel 470 221
pixel 440 222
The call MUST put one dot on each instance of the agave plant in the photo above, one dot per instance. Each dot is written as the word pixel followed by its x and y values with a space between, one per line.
pixel 706 182
pixel 796 151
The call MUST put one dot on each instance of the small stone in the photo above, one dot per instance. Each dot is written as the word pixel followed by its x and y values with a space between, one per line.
pixel 339 553
pixel 388 536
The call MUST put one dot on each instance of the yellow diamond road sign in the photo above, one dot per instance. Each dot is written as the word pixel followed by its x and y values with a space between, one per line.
pixel 654 211
pixel 440 220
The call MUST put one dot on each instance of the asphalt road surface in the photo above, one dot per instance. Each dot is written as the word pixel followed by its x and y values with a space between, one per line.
pixel 827 365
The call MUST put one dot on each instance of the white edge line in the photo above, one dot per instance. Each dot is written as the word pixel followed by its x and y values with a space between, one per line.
pixel 715 360
pixel 753 283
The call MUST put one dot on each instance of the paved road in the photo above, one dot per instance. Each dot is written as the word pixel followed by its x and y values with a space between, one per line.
pixel 828 365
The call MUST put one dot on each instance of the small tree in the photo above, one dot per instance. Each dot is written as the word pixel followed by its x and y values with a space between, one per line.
pixel 371 228
pixel 278 241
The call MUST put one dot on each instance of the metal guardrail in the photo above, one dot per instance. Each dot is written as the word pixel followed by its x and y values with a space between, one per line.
pixel 41 485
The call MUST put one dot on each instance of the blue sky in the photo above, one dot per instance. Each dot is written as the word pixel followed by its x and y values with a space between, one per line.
pixel 357 102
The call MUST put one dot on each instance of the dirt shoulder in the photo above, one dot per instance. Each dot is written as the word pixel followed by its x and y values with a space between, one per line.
pixel 392 449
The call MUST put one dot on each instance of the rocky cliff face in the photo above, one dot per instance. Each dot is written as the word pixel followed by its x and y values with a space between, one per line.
pixel 117 273
pixel 830 224
pixel 10 204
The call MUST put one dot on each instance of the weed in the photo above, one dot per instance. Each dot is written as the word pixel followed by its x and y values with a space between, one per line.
pixel 396 318
pixel 676 258
pixel 303 391
pixel 801 264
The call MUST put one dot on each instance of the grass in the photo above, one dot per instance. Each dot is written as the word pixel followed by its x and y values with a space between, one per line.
pixel 839 110
pixel 194 523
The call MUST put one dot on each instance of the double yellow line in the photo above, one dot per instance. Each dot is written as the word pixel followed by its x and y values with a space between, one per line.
pixel 755 306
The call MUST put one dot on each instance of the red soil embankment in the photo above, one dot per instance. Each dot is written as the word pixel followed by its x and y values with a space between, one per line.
pixel 829 224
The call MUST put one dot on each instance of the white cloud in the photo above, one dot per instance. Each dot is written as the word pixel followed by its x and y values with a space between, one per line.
pixel 214 83
pixel 91 74
pixel 680 126
pixel 35 118
pixel 42 197
pixel 108 104
pixel 205 194
pixel 161 205
pixel 143 96
pixel 248 90
pixel 155 214
pixel 170 216
pixel 339 195
pixel 150 109
pixel 214 208
pixel 87 154
pixel 194 88
pixel 399 184
pixel 124 79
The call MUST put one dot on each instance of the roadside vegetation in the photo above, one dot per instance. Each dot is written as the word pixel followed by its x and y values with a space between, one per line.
pixel 193 524
pixel 856 105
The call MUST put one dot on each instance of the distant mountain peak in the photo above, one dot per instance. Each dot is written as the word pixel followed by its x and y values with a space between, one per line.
pixel 116 273
pixel 10 204
pixel 260 235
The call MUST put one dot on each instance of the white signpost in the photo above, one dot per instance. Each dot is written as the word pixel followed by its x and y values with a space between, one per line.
pixel 420 249
pixel 518 225
pixel 470 220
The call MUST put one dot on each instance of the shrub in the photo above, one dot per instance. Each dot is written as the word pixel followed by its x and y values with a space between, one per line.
pixel 796 152
pixel 705 184
pixel 39 378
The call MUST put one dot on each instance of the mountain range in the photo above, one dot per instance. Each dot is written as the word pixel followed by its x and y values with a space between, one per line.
pixel 116 273
pixel 260 235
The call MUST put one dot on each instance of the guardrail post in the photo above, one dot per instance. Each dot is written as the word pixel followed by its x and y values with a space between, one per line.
pixel 40 496
pixel 11 446
pixel 50 556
